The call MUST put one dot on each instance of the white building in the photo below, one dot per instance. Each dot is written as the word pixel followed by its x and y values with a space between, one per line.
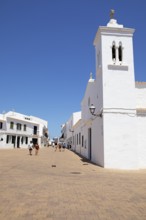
pixel 17 130
pixel 117 139
pixel 68 128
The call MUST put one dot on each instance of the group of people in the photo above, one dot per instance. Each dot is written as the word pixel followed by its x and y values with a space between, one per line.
pixel 33 146
pixel 59 146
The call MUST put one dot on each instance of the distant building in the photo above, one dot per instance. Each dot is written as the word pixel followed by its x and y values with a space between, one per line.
pixel 68 129
pixel 18 130
pixel 115 137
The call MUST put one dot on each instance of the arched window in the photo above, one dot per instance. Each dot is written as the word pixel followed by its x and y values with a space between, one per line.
pixel 120 52
pixel 114 51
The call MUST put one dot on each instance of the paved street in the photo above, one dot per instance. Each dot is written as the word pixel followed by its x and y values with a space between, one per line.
pixel 63 186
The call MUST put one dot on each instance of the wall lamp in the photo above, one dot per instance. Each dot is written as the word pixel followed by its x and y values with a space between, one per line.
pixel 92 111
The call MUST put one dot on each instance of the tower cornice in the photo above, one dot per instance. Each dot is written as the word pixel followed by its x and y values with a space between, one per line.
pixel 110 31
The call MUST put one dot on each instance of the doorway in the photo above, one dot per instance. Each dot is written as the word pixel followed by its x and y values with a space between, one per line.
pixel 89 143
pixel 34 140
pixel 18 142
pixel 14 140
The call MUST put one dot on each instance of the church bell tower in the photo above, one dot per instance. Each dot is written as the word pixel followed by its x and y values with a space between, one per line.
pixel 116 91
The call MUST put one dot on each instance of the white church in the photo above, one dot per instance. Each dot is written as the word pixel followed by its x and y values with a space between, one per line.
pixel 114 136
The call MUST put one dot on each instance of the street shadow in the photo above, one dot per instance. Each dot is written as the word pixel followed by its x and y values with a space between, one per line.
pixel 85 160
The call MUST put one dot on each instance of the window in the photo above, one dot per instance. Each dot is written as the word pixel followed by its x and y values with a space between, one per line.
pixel 24 128
pixel 75 139
pixel 120 52
pixel 11 125
pixel 46 135
pixel 27 118
pixel 82 141
pixel 18 126
pixel 114 51
pixel 1 125
pixel 79 138
pixel 117 52
pixel 35 130
pixel 26 140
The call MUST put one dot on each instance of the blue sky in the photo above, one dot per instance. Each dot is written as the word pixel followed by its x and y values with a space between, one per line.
pixel 47 52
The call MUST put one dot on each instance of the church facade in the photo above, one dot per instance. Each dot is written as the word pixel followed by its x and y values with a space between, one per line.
pixel 115 136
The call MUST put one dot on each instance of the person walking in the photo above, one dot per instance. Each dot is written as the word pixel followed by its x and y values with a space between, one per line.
pixel 59 145
pixel 36 148
pixel 30 147
pixel 56 146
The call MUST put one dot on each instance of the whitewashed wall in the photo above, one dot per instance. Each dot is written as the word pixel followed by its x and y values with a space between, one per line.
pixel 120 141
pixel 97 142
pixel 75 117
pixel 89 98
pixel 84 132
pixel 140 94
pixel 141 135
pixel 76 146
pixel 141 122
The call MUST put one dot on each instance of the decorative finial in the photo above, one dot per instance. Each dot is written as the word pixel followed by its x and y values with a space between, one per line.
pixel 112 13
pixel 90 75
